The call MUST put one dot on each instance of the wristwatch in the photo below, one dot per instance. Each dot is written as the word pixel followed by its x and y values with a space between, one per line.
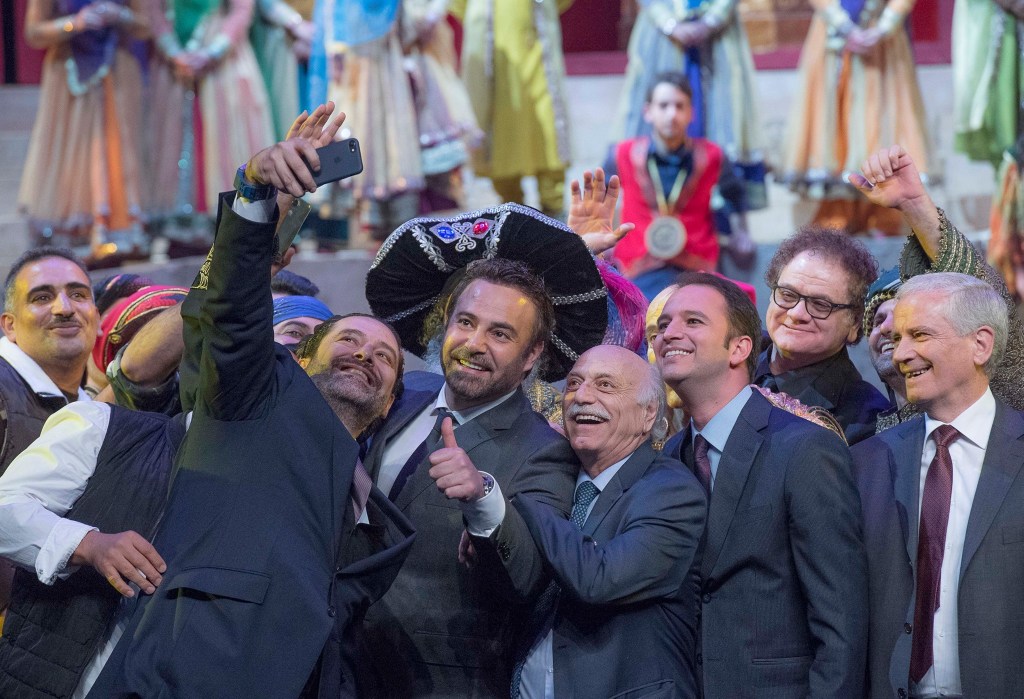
pixel 252 192
pixel 488 483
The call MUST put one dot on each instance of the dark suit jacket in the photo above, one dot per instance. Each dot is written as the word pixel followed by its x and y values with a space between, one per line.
pixel 260 581
pixel 835 385
pixel 443 629
pixel 784 575
pixel 990 600
pixel 627 615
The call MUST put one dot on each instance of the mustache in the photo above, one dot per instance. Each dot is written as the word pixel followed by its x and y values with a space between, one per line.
pixel 594 410
pixel 343 363
pixel 63 323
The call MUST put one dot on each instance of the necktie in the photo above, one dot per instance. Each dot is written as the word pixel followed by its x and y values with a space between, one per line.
pixel 425 447
pixel 938 488
pixel 702 464
pixel 543 612
pixel 361 486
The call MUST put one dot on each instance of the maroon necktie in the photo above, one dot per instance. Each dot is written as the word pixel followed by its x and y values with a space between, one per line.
pixel 702 462
pixel 931 543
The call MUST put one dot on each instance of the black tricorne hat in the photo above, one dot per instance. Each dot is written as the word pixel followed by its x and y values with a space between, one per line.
pixel 414 265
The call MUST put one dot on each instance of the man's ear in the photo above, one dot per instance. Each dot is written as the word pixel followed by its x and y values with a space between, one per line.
pixel 7 325
pixel 984 343
pixel 740 350
pixel 533 356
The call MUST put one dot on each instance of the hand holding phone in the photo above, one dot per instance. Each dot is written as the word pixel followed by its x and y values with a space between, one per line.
pixel 338 160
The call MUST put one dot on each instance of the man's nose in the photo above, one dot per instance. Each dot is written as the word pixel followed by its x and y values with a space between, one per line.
pixel 62 305
pixel 582 394
pixel 901 352
pixel 799 311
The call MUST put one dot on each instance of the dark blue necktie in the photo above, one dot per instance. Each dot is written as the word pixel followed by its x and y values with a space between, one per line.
pixel 420 453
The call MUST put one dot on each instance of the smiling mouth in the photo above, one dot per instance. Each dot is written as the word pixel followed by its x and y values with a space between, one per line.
pixel 356 371
pixel 470 365
pixel 886 348
pixel 677 353
pixel 588 419
pixel 917 372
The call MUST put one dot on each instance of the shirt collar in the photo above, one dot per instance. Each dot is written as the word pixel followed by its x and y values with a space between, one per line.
pixel 975 423
pixel 603 478
pixel 720 426
pixel 35 377
pixel 464 416
pixel 660 151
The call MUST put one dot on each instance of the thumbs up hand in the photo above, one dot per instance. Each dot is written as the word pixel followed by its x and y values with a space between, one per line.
pixel 452 470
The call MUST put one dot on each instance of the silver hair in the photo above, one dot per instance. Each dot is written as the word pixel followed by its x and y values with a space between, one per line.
pixel 653 391
pixel 970 303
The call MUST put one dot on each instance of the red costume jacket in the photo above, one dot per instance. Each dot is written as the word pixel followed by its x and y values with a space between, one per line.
pixel 693 208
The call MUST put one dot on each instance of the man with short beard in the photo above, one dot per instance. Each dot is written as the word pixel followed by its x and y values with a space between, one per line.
pixel 445 629
pixel 269 570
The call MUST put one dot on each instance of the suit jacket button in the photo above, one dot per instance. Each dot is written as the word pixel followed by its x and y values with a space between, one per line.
pixel 907 628
pixel 707 598
pixel 332 611
pixel 901 693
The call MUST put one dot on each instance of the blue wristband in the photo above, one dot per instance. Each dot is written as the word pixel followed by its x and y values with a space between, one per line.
pixel 250 191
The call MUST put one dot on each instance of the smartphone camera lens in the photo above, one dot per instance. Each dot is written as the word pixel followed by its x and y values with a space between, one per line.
pixel 352 146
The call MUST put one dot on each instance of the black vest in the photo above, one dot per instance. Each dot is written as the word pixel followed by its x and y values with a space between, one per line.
pixel 52 632
pixel 23 411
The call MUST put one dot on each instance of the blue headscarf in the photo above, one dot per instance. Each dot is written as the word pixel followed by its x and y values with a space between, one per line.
pixel 288 307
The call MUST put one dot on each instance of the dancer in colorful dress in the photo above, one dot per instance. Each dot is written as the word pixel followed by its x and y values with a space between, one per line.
pixel 859 92
pixel 80 186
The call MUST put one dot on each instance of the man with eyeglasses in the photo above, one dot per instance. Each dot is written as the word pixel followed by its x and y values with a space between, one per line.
pixel 818 280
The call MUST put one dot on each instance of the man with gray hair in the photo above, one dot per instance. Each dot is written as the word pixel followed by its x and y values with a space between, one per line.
pixel 621 613
pixel 942 496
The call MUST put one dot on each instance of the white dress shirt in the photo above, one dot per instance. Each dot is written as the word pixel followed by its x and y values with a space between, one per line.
pixel 482 516
pixel 967 454
pixel 538 680
pixel 35 377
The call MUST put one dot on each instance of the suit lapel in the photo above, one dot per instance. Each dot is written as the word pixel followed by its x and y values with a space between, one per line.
pixel 470 437
pixel 636 466
pixel 411 403
pixel 731 477
pixel 1004 457
pixel 907 444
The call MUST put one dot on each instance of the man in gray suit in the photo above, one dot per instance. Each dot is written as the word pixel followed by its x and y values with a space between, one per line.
pixel 943 497
pixel 783 571
pixel 444 629
pixel 624 603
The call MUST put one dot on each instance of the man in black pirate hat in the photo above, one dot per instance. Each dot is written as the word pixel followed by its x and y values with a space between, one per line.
pixel 511 292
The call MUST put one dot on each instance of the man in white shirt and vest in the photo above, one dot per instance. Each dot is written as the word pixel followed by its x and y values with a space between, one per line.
pixel 943 498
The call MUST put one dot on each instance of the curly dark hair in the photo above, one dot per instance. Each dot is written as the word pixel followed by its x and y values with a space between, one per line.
pixel 837 247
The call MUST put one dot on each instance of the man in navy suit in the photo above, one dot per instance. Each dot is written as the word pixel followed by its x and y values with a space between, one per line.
pixel 274 538
pixel 943 499
pixel 783 570
pixel 626 597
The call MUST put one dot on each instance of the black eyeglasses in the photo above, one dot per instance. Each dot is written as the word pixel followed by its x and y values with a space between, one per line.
pixel 816 307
